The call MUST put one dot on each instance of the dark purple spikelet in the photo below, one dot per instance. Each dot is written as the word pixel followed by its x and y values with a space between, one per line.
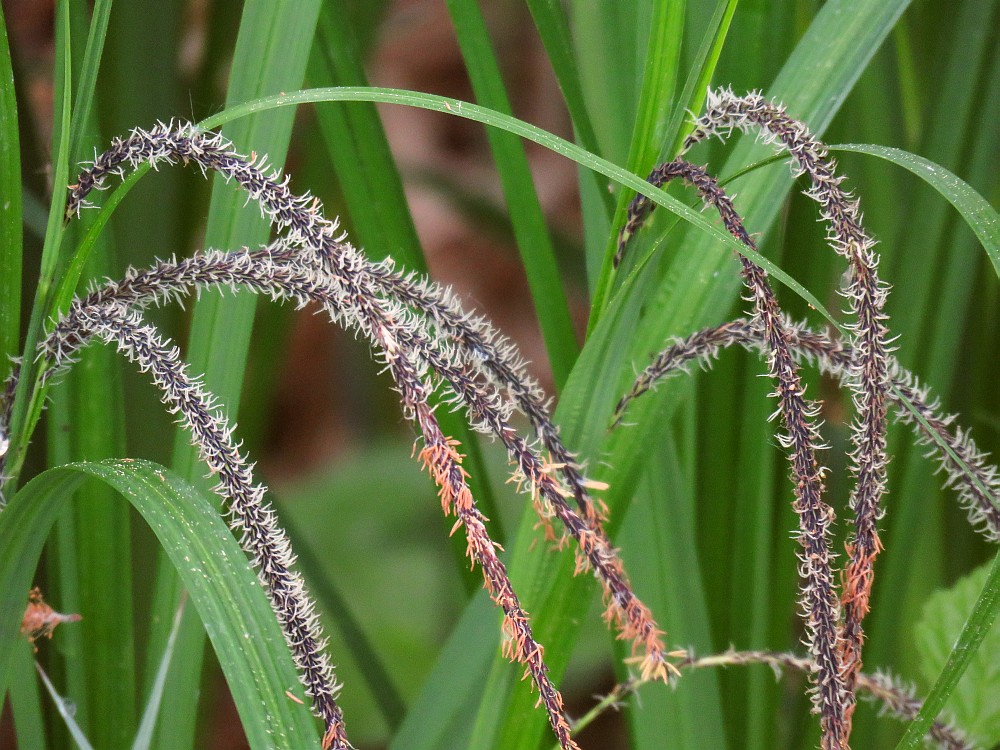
pixel 482 370
pixel 818 598
pixel 250 517
pixel 417 329
pixel 866 294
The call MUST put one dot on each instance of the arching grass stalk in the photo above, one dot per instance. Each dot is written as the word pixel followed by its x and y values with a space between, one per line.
pixel 894 697
pixel 422 336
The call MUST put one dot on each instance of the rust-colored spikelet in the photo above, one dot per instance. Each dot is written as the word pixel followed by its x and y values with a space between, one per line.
pixel 444 463
pixel 40 620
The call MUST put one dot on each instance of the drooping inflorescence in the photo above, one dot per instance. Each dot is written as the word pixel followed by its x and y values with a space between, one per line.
pixel 420 333
pixel 866 294
pixel 863 363
pixel 428 342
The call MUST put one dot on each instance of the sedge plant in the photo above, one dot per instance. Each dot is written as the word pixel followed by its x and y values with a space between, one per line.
pixel 427 341
pixel 441 357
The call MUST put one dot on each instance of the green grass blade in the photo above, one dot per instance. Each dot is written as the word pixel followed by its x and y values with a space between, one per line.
pixel 554 32
pixel 10 209
pixel 103 672
pixel 976 628
pixel 66 711
pixel 659 83
pixel 222 586
pixel 692 98
pixel 656 101
pixel 658 543
pixel 61 153
pixel 981 217
pixel 26 701
pixel 28 400
pixel 537 254
pixel 144 735
pixel 608 39
pixel 357 144
pixel 439 717
pixel 91 400
pixel 755 563
pixel 87 76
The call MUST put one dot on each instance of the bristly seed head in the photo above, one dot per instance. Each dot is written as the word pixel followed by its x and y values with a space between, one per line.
pixel 420 333
pixel 426 340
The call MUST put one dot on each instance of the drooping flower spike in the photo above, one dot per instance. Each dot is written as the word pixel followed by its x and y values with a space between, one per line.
pixel 478 353
pixel 818 598
pixel 249 515
pixel 865 365
pixel 415 328
pixel 866 295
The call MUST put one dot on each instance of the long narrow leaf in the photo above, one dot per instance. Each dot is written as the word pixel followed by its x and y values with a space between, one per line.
pixel 976 628
pixel 26 702
pixel 144 735
pixel 223 588
pixel 656 100
pixel 537 254
pixel 87 76
pixel 692 98
pixel 102 674
pixel 66 711
pixel 981 217
pixel 28 400
pixel 554 32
